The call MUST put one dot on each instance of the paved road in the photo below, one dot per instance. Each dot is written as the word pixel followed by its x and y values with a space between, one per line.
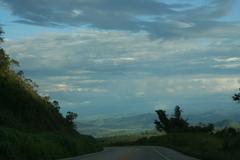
pixel 135 153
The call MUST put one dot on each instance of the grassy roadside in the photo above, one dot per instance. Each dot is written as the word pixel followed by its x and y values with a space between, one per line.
pixel 200 145
pixel 18 145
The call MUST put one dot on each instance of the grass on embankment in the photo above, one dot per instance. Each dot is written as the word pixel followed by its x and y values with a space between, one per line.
pixel 18 145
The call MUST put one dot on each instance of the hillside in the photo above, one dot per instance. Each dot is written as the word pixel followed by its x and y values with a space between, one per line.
pixel 31 126
pixel 23 109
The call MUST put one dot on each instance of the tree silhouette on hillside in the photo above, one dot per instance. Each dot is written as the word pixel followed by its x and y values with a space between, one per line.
pixel 236 96
pixel 177 123
pixel 5 60
pixel 172 124
pixel 1 33
pixel 70 117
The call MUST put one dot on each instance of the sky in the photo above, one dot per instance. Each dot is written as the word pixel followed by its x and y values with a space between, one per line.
pixel 103 58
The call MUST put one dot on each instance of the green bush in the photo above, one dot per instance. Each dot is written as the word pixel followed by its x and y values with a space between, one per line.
pixel 16 145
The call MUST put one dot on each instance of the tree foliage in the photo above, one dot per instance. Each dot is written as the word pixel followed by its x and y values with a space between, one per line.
pixel 163 123
pixel 236 96
pixel 178 113
pixel 5 60
pixel 70 117
pixel 56 105
pixel 1 33
pixel 176 123
pixel 172 124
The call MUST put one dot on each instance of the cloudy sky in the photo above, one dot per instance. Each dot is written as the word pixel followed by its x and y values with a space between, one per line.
pixel 116 57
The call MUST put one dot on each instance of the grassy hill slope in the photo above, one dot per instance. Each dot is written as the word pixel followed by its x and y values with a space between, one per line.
pixel 31 126
pixel 22 108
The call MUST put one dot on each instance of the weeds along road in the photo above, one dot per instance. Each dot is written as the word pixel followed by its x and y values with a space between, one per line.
pixel 135 153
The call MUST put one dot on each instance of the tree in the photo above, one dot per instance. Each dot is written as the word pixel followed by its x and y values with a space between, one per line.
pixel 236 96
pixel 31 83
pixel 1 33
pixel 172 124
pixel 21 74
pixel 70 117
pixel 5 60
pixel 56 105
pixel 163 122
pixel 178 112
pixel 177 122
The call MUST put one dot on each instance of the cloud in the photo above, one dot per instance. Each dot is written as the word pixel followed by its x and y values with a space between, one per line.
pixel 158 18
pixel 227 62
pixel 219 84
pixel 70 88
pixel 228 59
pixel 95 90
pixel 87 51
pixel 121 70
pixel 86 54
pixel 61 87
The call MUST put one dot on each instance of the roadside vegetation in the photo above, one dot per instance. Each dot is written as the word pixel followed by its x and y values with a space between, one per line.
pixel 31 126
pixel 20 145
pixel 202 141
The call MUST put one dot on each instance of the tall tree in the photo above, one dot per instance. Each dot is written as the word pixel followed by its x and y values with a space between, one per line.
pixel 177 121
pixel 178 112
pixel 70 117
pixel 56 105
pixel 236 96
pixel 1 34
pixel 163 123
pixel 5 60
pixel 173 124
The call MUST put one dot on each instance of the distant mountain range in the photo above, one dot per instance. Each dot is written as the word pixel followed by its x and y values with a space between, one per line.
pixel 117 125
pixel 144 122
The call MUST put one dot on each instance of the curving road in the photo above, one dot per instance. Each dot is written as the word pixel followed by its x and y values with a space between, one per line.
pixel 135 153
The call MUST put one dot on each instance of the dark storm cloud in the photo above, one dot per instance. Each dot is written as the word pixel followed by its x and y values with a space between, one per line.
pixel 156 17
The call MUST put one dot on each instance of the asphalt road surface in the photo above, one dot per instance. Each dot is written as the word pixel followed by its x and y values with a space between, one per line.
pixel 135 153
